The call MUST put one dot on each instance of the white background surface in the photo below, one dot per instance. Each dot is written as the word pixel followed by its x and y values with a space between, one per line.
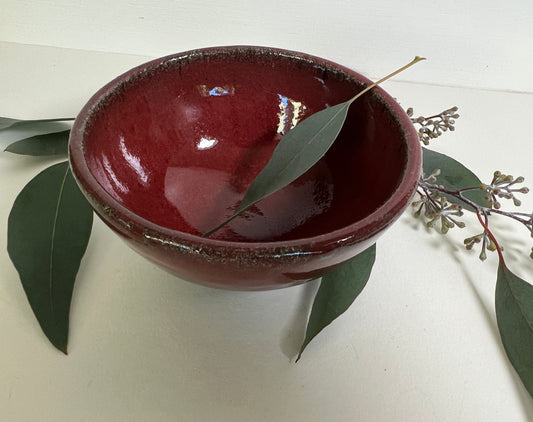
pixel 471 43
pixel 419 344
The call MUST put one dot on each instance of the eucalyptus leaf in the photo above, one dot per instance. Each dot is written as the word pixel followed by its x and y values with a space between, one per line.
pixel 296 153
pixel 338 290
pixel 6 122
pixel 55 143
pixel 48 230
pixel 454 176
pixel 514 314
pixel 301 148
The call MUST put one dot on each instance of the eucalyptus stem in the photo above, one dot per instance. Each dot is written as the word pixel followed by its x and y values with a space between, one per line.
pixel 390 75
pixel 435 202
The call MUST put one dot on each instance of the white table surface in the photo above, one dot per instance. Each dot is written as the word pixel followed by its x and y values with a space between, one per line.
pixel 419 344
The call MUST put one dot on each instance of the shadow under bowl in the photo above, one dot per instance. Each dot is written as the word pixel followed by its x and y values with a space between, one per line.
pixel 166 151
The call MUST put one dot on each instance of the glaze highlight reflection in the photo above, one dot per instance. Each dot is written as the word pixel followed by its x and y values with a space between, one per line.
pixel 291 113
pixel 133 161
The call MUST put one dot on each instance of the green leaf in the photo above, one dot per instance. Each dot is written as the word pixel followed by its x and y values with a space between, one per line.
pixel 296 153
pixel 6 122
pixel 338 289
pixel 454 176
pixel 514 314
pixel 300 149
pixel 55 143
pixel 48 230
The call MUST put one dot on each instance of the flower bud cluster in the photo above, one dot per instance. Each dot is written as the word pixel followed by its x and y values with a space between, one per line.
pixel 437 211
pixel 486 244
pixel 503 187
pixel 432 127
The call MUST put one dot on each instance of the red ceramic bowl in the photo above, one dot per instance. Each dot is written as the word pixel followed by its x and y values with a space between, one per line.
pixel 166 151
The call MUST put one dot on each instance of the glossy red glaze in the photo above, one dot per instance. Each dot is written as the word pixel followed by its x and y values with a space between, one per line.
pixel 166 151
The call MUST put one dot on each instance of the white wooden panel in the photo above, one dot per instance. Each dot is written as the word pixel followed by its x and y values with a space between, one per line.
pixel 478 43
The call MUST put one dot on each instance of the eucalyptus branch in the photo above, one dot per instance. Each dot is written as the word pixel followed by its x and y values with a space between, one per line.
pixel 434 201
pixel 521 217
pixel 442 207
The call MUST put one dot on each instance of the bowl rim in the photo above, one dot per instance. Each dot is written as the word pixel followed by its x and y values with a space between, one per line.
pixel 131 223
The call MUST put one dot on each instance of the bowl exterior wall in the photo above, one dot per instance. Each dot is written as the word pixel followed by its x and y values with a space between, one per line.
pixel 241 269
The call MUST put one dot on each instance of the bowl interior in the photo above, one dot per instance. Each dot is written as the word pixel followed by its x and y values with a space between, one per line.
pixel 179 143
